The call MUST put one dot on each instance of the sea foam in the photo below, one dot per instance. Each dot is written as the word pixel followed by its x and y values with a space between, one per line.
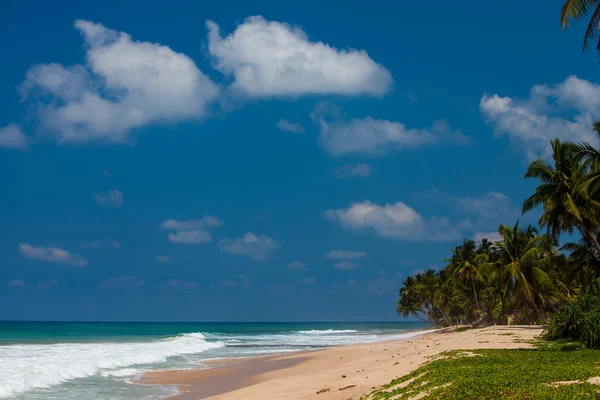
pixel 35 366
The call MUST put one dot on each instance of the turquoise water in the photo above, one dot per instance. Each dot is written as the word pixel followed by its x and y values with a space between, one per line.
pixel 100 360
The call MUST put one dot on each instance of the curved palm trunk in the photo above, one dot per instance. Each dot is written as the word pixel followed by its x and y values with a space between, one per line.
pixel 475 295
pixel 590 234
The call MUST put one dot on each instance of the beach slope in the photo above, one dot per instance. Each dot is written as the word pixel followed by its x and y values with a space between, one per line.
pixel 339 373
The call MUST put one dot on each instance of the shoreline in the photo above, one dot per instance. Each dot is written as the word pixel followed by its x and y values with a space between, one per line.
pixel 339 373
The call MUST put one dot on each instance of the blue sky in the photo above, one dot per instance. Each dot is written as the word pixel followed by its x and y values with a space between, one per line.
pixel 261 161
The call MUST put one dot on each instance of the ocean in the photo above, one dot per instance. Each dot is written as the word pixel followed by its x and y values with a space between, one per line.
pixel 101 360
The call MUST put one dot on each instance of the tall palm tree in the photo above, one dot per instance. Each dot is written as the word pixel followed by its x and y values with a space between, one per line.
pixel 562 193
pixel 578 9
pixel 464 264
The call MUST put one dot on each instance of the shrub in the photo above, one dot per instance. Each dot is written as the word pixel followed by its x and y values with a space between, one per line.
pixel 578 319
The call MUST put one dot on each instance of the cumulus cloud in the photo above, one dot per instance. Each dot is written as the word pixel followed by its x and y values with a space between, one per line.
pixel 345 255
pixel 192 231
pixel 346 265
pixel 242 281
pixel 125 84
pixel 293 127
pixel 296 265
pixel 376 137
pixel 565 111
pixel 114 198
pixel 397 221
pixel 52 254
pixel 108 242
pixel 258 248
pixel 353 170
pixel 12 137
pixel 269 58
pixel 163 259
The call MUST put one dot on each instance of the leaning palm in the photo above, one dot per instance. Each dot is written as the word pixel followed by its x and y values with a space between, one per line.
pixel 578 9
pixel 563 194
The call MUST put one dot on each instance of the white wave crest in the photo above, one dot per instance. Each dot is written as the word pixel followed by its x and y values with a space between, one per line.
pixel 34 366
pixel 327 331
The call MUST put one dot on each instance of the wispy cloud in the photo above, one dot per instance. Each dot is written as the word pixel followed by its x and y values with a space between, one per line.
pixel 192 231
pixel 114 198
pixel 293 127
pixel 361 170
pixel 12 137
pixel 258 248
pixel 52 254
pixel 296 265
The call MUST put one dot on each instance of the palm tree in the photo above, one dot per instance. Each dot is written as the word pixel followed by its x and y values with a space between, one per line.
pixel 563 193
pixel 464 264
pixel 525 261
pixel 577 9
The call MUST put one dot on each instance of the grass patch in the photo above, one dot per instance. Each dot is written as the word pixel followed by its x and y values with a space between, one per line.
pixel 524 374
pixel 463 328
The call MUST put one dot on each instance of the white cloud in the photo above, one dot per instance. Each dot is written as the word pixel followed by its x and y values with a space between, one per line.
pixel 114 198
pixel 17 283
pixel 12 137
pixel 163 259
pixel 125 84
pixel 104 243
pixel 307 281
pixel 293 127
pixel 207 221
pixel 345 255
pixel 353 170
pixel 242 281
pixel 256 247
pixel 52 254
pixel 190 237
pixel 565 111
pixel 346 265
pixel 397 221
pixel 192 231
pixel 375 137
pixel 489 206
pixel 296 265
pixel 268 58
pixel 491 236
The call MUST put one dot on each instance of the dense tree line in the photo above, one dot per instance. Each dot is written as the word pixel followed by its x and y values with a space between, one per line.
pixel 527 274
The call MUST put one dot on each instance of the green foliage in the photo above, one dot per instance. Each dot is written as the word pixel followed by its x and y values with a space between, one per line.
pixel 506 374
pixel 578 319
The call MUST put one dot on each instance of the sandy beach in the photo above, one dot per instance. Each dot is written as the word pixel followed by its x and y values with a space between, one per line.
pixel 340 373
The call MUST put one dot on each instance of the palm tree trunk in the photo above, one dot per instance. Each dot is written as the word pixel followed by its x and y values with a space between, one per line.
pixel 590 234
pixel 475 295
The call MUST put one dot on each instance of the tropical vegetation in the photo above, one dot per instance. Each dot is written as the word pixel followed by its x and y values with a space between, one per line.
pixel 527 275
pixel 501 374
